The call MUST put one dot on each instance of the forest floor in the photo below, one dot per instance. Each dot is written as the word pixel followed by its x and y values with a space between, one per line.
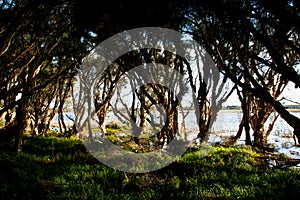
pixel 61 168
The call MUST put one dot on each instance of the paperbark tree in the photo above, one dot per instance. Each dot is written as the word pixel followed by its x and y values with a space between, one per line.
pixel 236 32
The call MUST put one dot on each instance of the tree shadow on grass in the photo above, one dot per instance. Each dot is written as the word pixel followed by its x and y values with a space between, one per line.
pixel 58 168
pixel 49 168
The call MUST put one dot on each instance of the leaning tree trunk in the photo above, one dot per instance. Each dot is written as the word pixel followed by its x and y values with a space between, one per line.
pixel 245 101
pixel 173 121
pixel 292 120
pixel 205 110
pixel 260 92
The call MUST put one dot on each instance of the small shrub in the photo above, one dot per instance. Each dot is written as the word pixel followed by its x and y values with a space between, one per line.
pixel 113 125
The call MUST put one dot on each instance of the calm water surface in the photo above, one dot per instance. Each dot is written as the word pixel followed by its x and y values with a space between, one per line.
pixel 227 123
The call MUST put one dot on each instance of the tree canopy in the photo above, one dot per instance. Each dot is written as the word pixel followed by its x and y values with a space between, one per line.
pixel 254 43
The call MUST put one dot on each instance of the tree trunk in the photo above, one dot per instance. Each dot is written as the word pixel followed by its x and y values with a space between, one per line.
pixel 247 132
pixel 21 126
pixel 261 92
pixel 246 119
pixel 245 101
pixel 292 120
pixel 8 117
pixel 270 128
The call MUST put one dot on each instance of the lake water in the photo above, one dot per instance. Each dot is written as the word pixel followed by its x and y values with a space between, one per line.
pixel 281 136
pixel 227 123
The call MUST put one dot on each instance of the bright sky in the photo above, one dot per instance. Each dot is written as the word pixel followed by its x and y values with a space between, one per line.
pixel 289 93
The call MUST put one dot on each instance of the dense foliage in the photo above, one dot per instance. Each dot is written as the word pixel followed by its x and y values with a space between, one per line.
pixel 254 43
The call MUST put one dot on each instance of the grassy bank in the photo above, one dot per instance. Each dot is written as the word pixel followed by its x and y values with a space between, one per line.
pixel 58 168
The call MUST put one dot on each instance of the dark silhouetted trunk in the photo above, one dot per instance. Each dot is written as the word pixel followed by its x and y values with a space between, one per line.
pixel 21 125
pixel 245 102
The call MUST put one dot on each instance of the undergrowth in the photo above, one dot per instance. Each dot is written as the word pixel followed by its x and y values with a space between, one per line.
pixel 61 168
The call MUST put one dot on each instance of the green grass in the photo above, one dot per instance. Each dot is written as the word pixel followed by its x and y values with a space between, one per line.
pixel 2 122
pixel 60 168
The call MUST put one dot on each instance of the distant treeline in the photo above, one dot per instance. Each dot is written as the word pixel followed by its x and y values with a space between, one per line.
pixel 239 107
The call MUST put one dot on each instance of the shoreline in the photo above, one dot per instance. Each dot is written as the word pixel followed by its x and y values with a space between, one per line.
pixel 239 110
